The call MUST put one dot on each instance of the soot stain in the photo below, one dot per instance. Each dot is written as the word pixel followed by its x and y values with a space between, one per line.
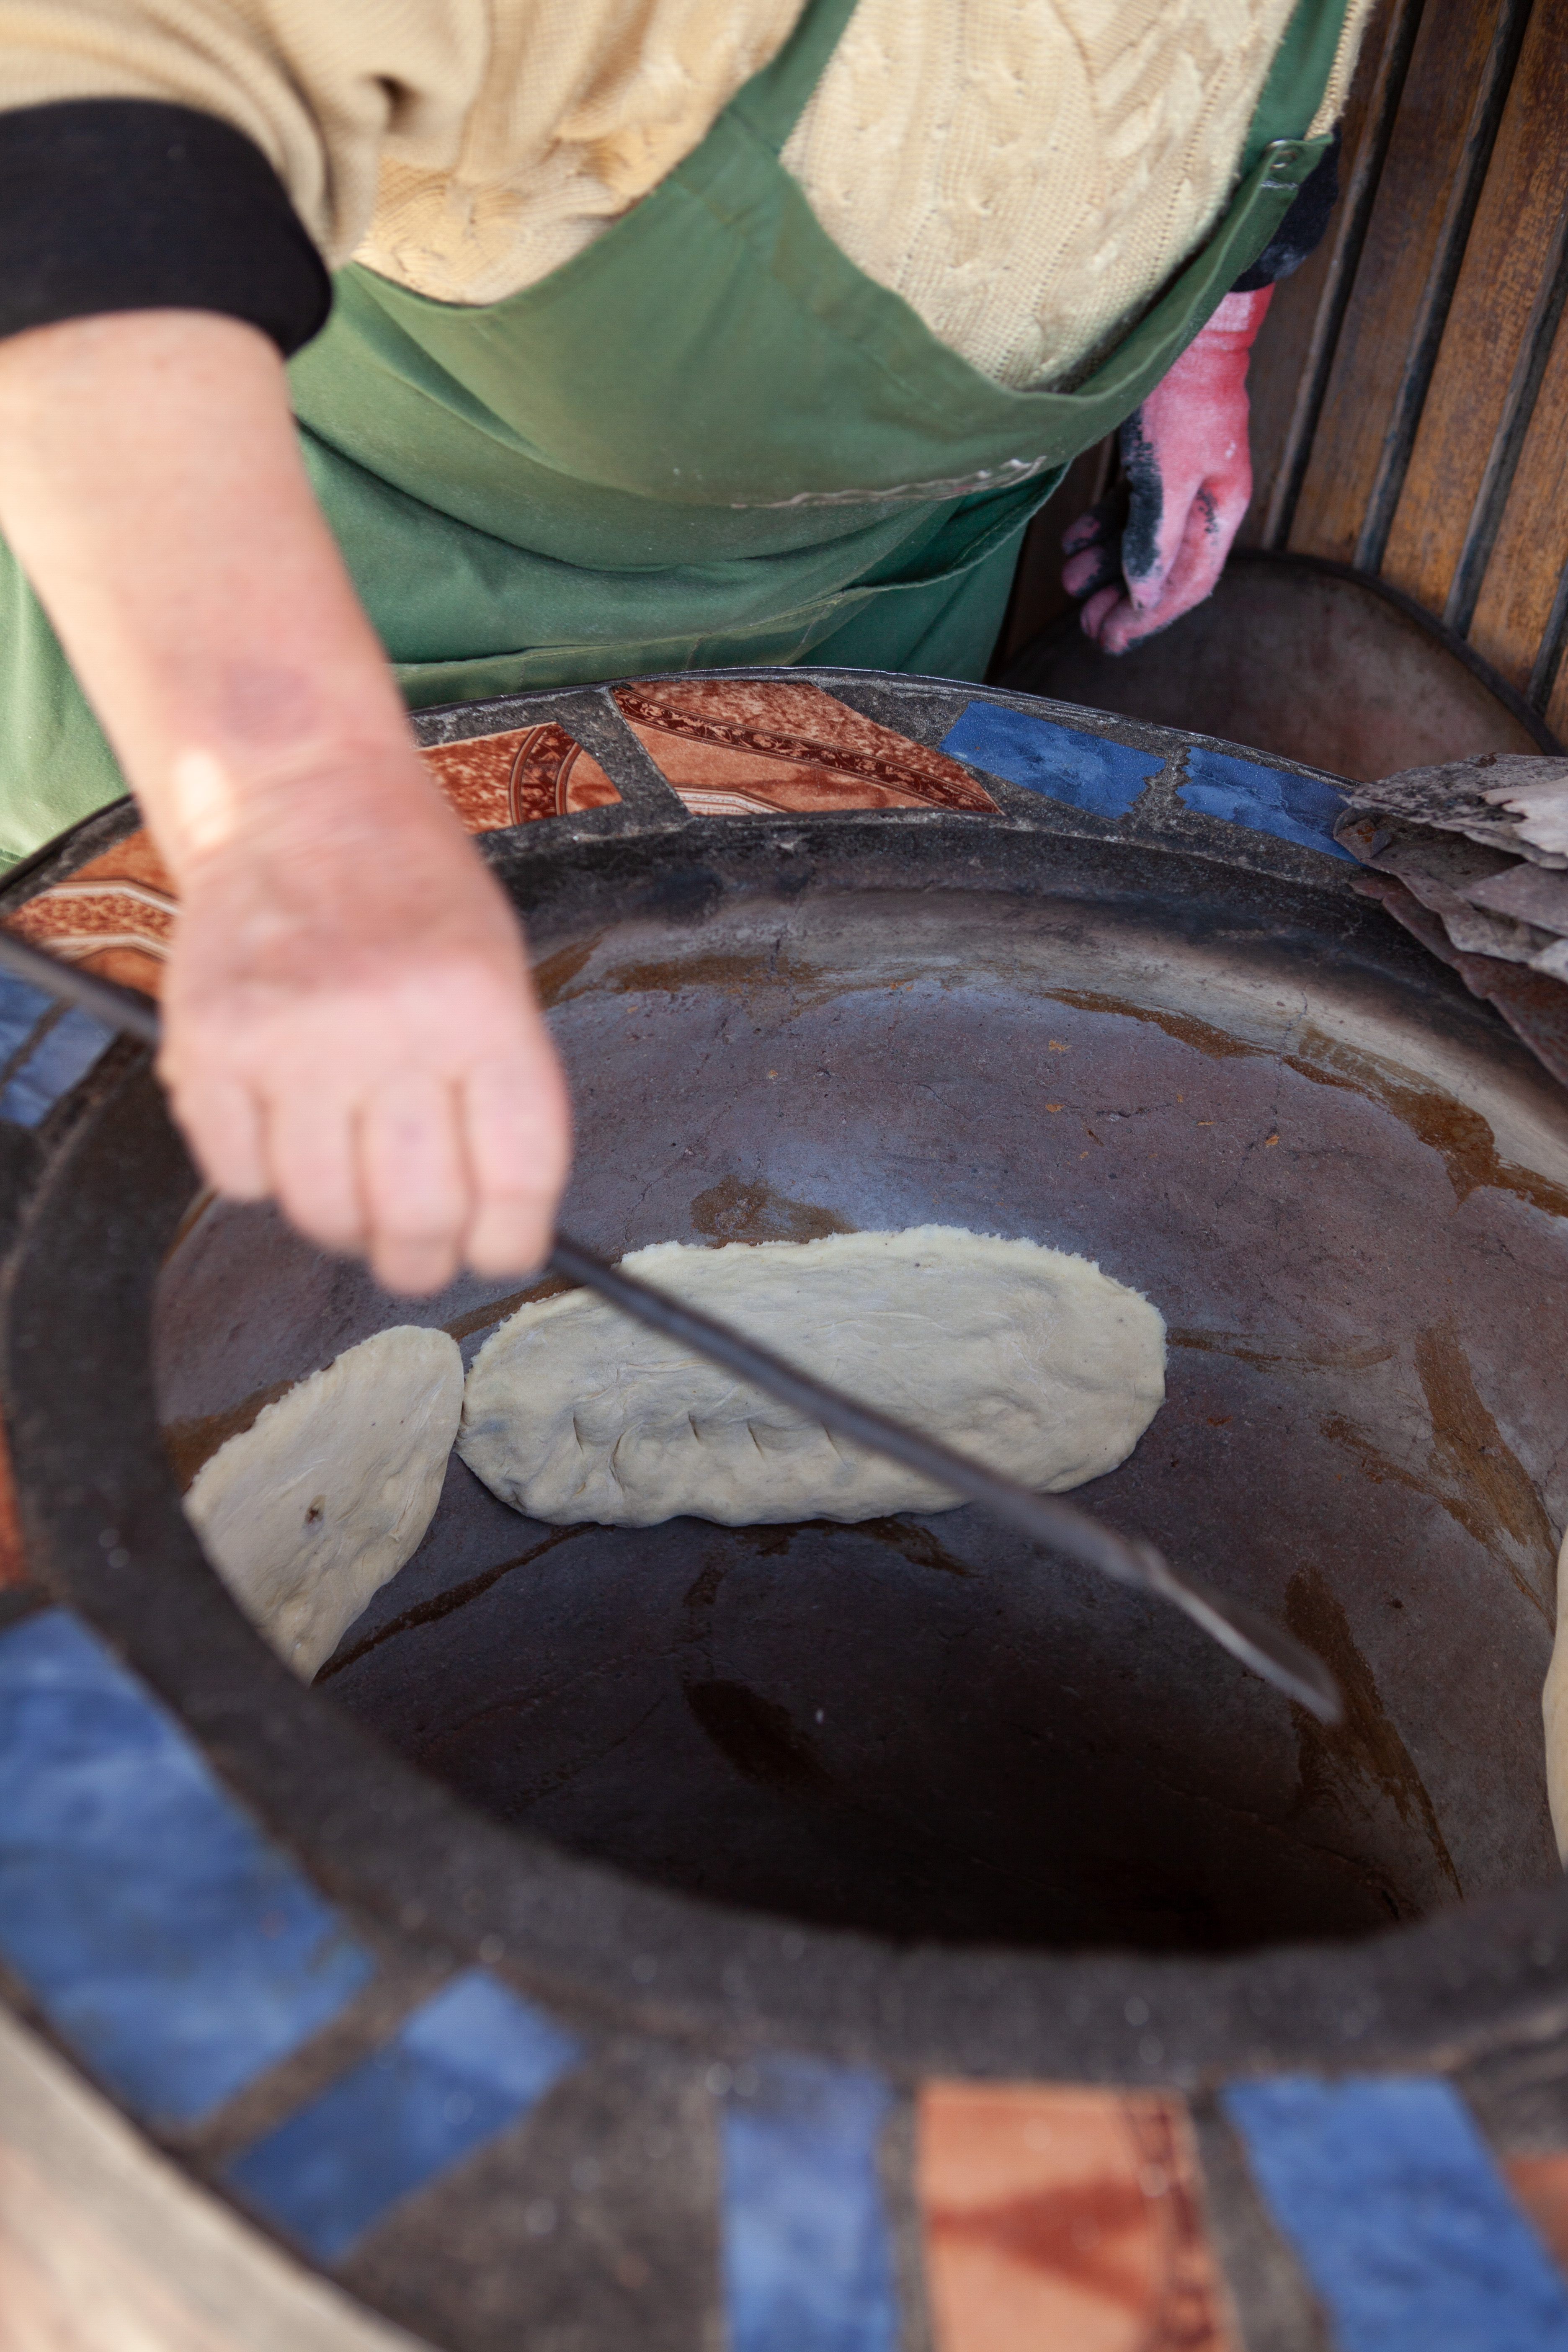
pixel 554 974
pixel 703 1589
pixel 918 1544
pixel 1359 1357
pixel 734 1210
pixel 1470 1448
pixel 1471 1471
pixel 444 1604
pixel 1201 1036
pixel 734 974
pixel 1463 1138
pixel 190 1444
pixel 758 1737
pixel 1366 1745
pixel 553 1286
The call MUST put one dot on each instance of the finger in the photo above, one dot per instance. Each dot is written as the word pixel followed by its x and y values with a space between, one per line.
pixel 1210 527
pixel 1093 616
pixel 1156 514
pixel 1205 544
pixel 221 1121
pixel 311 1157
pixel 517 1129
pixel 1085 531
pixel 414 1180
pixel 1094 568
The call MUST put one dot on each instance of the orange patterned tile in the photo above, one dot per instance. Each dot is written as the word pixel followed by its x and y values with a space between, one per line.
pixel 726 746
pixel 493 780
pixel 735 747
pixel 1065 2218
pixel 116 916
pixel 1541 2185
pixel 13 1559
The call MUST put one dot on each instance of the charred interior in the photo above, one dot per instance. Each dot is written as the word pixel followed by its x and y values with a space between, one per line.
pixel 916 1725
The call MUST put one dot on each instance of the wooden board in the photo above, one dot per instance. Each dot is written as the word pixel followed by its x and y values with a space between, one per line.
pixel 1508 251
pixel 1403 242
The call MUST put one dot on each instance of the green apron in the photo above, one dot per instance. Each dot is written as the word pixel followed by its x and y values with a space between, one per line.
pixel 707 439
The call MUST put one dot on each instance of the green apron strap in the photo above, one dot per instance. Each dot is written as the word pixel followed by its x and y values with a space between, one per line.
pixel 772 101
pixel 1297 78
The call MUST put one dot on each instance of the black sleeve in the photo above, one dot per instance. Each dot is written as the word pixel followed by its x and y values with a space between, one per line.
pixel 121 204
pixel 1301 231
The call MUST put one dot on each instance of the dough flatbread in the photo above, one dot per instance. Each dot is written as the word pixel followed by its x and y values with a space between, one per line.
pixel 308 1511
pixel 1554 1712
pixel 1032 1359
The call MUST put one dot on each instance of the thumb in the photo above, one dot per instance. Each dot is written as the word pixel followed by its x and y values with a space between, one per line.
pixel 1151 535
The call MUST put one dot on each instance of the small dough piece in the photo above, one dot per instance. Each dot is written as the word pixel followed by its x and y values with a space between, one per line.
pixel 327 1495
pixel 1554 1712
pixel 1032 1359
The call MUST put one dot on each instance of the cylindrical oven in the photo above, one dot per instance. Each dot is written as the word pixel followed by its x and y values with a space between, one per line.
pixel 820 1935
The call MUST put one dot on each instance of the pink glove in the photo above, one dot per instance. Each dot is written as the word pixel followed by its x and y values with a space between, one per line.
pixel 1189 476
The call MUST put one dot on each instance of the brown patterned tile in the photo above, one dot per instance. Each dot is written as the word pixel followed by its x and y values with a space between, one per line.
pixel 1067 2218
pixel 115 915
pixel 1541 2185
pixel 494 781
pixel 13 1559
pixel 735 747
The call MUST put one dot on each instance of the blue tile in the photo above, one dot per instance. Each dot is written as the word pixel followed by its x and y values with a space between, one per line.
pixel 1088 771
pixel 807 2257
pixel 169 1944
pixel 1266 799
pixel 21 1010
pixel 467 2065
pixel 1401 2220
pixel 65 1053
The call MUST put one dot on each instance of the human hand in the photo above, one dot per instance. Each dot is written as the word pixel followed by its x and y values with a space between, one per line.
pixel 350 1027
pixel 349 1021
pixel 1188 472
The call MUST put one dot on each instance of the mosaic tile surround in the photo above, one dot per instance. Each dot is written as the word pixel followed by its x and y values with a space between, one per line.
pixel 1081 2219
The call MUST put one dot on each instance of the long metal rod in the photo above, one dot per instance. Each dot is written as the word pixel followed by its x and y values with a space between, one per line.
pixel 1247 1635
pixel 1244 1633
pixel 125 1009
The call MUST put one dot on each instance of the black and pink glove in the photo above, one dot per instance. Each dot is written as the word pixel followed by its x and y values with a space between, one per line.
pixel 1188 481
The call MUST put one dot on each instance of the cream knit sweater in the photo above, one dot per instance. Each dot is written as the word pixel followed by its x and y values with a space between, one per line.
pixel 1026 174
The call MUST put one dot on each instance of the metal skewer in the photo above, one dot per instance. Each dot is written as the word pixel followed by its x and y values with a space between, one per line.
pixel 1246 1632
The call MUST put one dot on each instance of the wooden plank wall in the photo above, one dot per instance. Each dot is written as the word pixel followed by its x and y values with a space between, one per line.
pixel 1410 386
pixel 1410 390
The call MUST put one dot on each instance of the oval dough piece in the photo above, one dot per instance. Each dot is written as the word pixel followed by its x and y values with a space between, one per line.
pixel 1030 1358
pixel 308 1511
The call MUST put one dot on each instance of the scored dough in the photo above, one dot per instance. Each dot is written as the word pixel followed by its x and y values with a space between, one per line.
pixel 308 1511
pixel 1554 1712
pixel 1032 1359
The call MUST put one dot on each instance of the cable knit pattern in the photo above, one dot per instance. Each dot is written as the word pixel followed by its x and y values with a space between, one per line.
pixel 583 107
pixel 1026 174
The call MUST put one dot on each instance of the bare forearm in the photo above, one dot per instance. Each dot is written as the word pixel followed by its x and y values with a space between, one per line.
pixel 152 488
pixel 349 1023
